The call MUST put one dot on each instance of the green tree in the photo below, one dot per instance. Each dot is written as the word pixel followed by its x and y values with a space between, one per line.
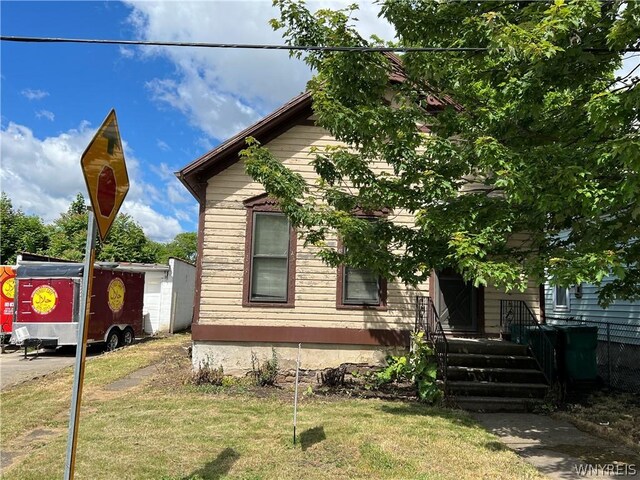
pixel 69 232
pixel 19 232
pixel 126 241
pixel 541 137
pixel 184 246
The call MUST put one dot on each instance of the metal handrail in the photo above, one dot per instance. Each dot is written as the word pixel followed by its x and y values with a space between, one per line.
pixel 428 321
pixel 517 318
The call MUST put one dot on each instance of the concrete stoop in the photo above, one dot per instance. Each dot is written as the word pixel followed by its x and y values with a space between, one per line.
pixel 493 376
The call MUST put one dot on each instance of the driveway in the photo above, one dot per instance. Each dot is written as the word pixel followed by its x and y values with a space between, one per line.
pixel 559 450
pixel 14 368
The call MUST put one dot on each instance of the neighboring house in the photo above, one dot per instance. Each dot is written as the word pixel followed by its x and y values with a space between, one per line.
pixel 580 302
pixel 257 287
pixel 168 295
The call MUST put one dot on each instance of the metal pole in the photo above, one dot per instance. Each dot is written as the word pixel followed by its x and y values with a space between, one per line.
pixel 81 348
pixel 295 398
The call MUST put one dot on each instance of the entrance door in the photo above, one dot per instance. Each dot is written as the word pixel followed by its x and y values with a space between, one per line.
pixel 456 302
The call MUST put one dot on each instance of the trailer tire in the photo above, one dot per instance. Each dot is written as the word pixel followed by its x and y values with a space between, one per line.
pixel 128 337
pixel 114 339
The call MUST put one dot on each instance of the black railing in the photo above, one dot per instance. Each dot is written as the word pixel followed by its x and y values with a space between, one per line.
pixel 428 321
pixel 520 323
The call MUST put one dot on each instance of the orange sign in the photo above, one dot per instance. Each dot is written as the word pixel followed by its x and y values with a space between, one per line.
pixel 105 173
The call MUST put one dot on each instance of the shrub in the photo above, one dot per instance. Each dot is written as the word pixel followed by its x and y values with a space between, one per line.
pixel 266 373
pixel 333 377
pixel 418 366
pixel 205 374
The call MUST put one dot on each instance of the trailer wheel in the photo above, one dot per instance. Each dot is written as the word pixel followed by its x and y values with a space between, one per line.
pixel 114 339
pixel 128 337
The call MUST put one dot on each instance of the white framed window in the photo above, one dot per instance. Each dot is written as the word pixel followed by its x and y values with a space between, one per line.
pixel 561 299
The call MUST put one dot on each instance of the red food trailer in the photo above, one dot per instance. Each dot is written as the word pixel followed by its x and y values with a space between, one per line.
pixel 48 304
pixel 7 291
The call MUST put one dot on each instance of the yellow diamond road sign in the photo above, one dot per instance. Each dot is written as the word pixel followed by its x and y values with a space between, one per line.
pixel 105 173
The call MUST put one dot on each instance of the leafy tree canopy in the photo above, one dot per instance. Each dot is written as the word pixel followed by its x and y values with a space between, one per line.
pixel 66 237
pixel 184 246
pixel 19 232
pixel 541 139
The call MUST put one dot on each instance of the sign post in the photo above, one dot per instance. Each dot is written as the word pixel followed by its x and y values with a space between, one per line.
pixel 105 174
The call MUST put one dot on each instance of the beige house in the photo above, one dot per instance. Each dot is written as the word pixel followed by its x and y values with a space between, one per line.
pixel 257 287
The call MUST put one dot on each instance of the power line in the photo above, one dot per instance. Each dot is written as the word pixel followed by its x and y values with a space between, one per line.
pixel 257 46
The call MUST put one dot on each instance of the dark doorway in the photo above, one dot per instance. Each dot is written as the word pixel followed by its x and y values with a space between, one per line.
pixel 456 302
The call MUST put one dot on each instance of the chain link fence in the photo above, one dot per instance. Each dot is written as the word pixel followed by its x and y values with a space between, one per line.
pixel 618 351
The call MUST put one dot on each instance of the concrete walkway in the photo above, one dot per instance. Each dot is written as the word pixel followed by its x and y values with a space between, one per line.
pixel 559 450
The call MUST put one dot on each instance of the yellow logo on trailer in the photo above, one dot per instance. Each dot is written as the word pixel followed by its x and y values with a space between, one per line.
pixel 44 299
pixel 9 288
pixel 116 291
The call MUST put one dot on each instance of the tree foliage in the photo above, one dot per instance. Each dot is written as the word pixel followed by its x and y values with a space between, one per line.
pixel 538 138
pixel 66 237
pixel 184 246
pixel 19 232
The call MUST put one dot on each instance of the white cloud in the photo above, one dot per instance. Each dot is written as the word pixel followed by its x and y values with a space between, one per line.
pixel 34 94
pixel 221 91
pixel 43 176
pixel 46 114
pixel 162 145
pixel 126 52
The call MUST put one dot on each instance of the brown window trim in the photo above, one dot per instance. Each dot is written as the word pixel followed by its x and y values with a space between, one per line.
pixel 382 295
pixel 265 203
pixel 382 282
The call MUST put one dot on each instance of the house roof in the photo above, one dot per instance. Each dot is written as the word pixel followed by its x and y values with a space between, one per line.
pixel 195 175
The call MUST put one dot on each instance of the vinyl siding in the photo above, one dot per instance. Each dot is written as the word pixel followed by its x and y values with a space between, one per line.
pixel 587 307
pixel 315 293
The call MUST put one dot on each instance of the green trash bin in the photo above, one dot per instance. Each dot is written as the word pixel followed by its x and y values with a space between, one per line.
pixel 579 344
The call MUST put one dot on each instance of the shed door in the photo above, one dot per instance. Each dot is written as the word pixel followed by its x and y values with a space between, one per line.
pixel 455 302
pixel 152 300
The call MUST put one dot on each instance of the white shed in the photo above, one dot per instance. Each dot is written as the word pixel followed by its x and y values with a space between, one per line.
pixel 168 295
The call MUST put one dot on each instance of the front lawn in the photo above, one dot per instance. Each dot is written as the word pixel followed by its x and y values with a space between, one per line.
pixel 158 428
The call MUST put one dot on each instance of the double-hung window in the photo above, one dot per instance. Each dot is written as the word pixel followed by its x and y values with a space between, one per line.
pixel 561 299
pixel 360 288
pixel 269 278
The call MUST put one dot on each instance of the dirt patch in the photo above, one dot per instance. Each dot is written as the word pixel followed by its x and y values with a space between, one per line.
pixel 26 444
pixel 597 456
pixel 613 415
pixel 7 459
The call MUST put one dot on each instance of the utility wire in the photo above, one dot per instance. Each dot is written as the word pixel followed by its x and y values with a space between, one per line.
pixel 257 46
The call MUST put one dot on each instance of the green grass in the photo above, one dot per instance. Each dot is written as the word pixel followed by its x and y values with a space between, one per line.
pixel 164 430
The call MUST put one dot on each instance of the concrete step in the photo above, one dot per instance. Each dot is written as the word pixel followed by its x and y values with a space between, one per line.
pixel 485 346
pixel 505 375
pixel 496 404
pixel 491 361
pixel 496 389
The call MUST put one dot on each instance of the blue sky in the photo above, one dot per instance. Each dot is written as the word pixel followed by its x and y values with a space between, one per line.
pixel 173 104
